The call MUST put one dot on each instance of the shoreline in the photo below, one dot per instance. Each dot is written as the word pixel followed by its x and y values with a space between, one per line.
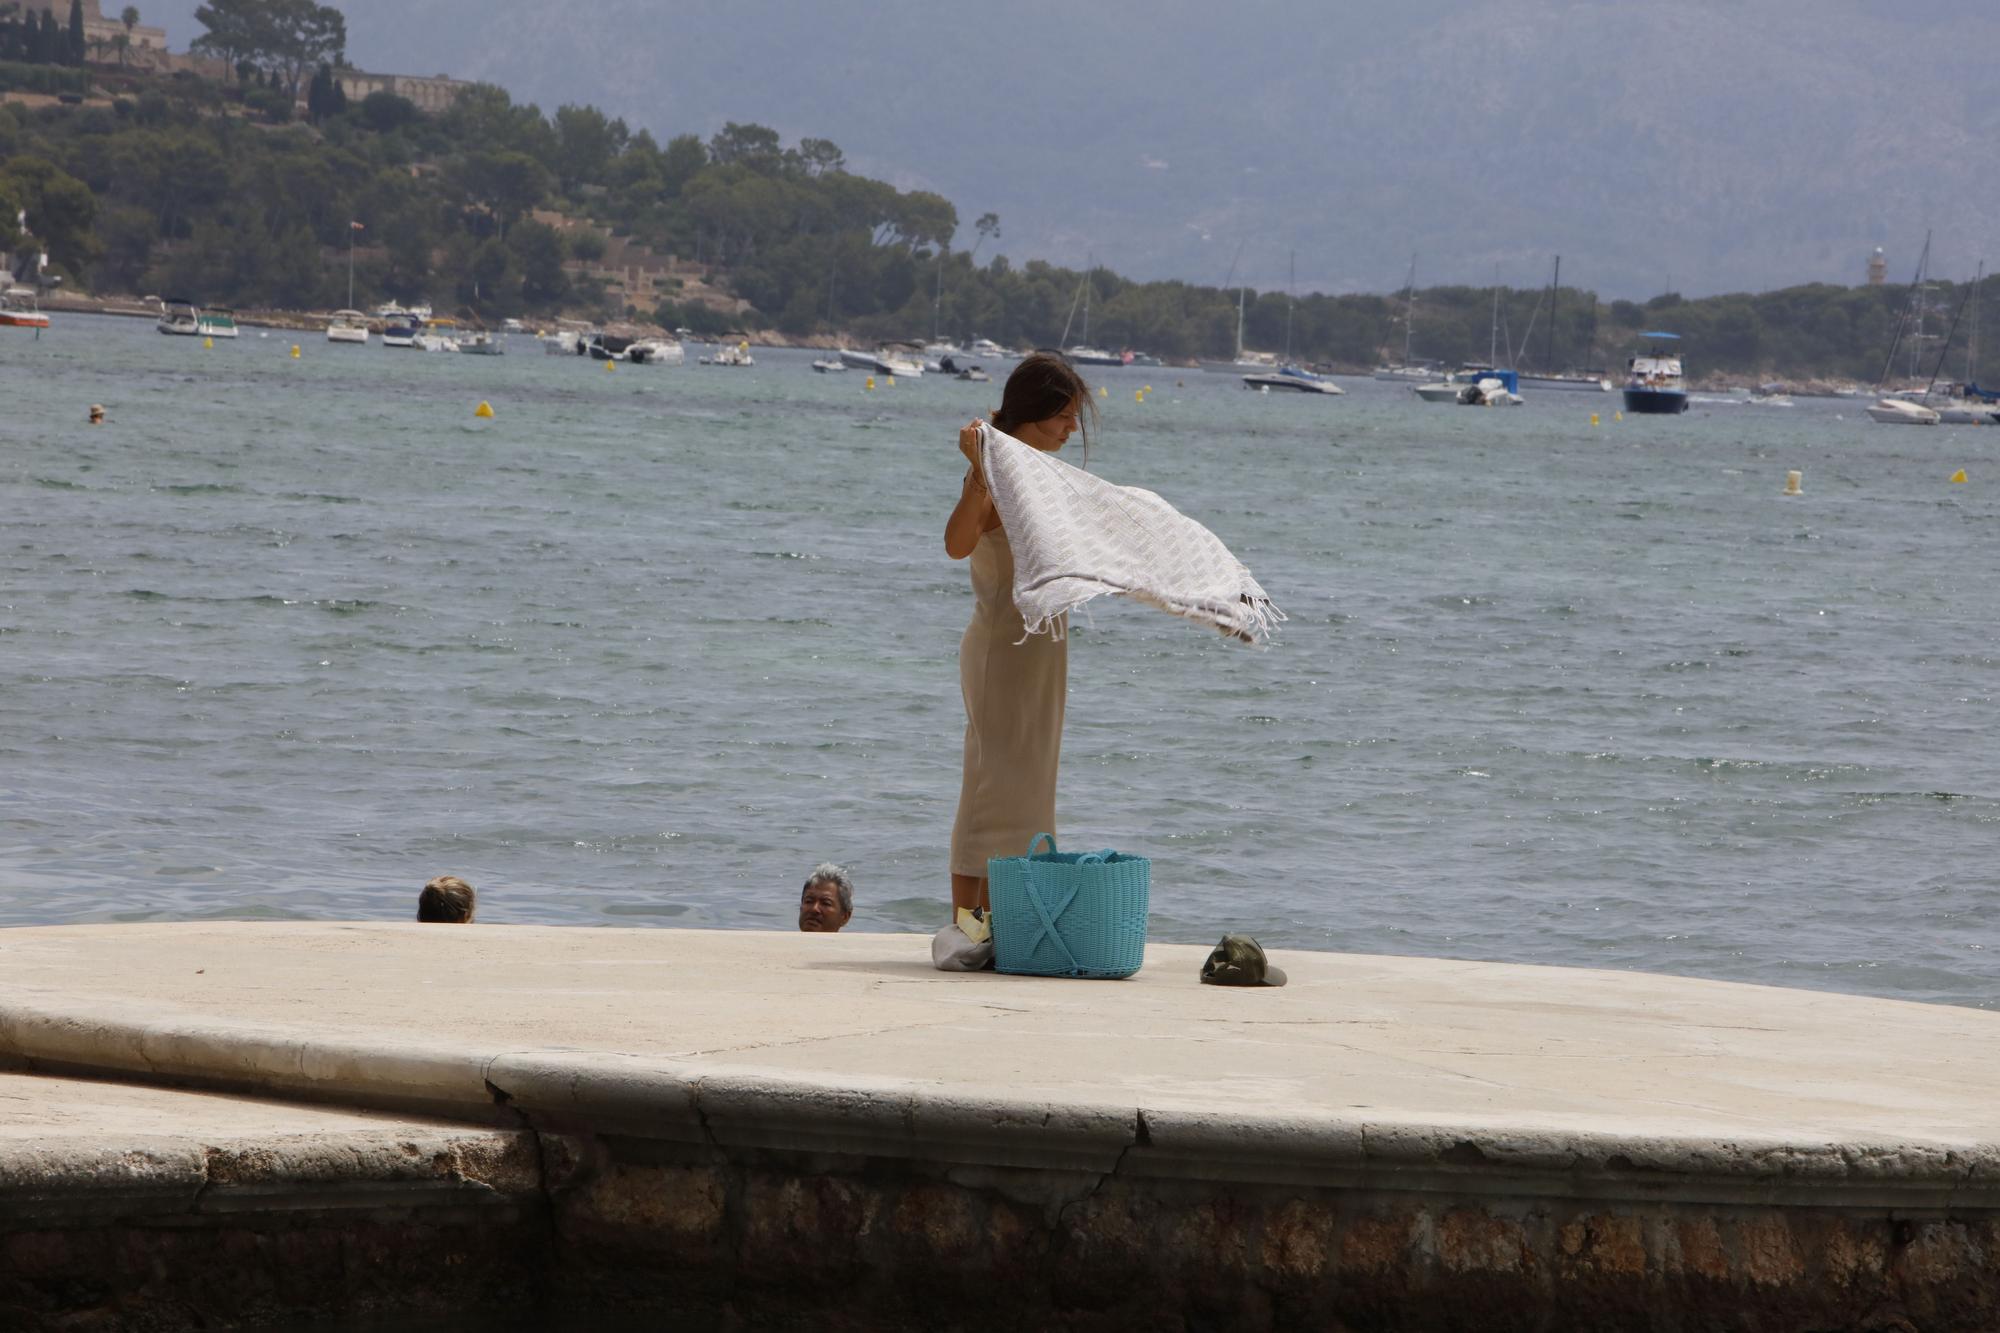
pixel 298 321
pixel 717 1124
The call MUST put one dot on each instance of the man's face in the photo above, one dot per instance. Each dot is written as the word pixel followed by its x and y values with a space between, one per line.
pixel 819 909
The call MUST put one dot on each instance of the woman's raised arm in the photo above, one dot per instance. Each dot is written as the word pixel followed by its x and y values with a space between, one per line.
pixel 974 512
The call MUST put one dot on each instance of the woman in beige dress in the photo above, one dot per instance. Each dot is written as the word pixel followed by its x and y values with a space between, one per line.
pixel 1013 685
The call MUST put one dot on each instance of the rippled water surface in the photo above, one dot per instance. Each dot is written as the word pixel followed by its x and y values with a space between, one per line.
pixel 288 637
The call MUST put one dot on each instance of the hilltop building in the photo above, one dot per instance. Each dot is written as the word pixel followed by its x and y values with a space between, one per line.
pixel 101 34
pixel 1878 268
pixel 430 93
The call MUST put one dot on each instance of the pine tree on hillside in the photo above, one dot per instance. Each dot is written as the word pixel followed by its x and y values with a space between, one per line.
pixel 74 46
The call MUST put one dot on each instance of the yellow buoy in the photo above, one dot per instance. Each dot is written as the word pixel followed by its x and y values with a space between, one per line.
pixel 208 342
pixel 890 381
pixel 1138 395
pixel 1617 416
pixel 1593 418
pixel 295 351
pixel 611 365
pixel 485 409
pixel 1149 388
pixel 1103 392
pixel 870 384
pixel 1958 475
pixel 1792 483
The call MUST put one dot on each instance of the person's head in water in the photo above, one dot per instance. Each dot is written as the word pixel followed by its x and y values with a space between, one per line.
pixel 1045 399
pixel 827 901
pixel 448 900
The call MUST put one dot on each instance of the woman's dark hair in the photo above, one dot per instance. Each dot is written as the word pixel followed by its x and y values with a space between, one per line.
pixel 1044 386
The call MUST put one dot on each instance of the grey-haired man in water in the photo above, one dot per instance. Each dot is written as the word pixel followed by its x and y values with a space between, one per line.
pixel 827 901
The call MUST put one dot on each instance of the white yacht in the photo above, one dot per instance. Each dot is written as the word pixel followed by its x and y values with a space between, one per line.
pixel 889 359
pixel 657 352
pixel 180 317
pixel 348 326
pixel 988 350
pixel 1903 412
pixel 730 354
pixel 400 327
pixel 215 321
pixel 1292 379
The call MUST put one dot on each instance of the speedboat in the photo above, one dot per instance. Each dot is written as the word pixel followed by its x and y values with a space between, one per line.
pixel 885 360
pixel 730 354
pixel 564 342
pixel 1653 381
pixel 481 343
pixel 657 352
pixel 1407 374
pixel 1903 412
pixel 179 317
pixel 987 349
pixel 1081 355
pixel 830 365
pixel 348 326
pixel 1589 381
pixel 1495 388
pixel 19 309
pixel 215 322
pixel 400 327
pixel 1293 379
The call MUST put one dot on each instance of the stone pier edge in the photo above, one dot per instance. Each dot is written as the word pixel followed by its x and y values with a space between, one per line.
pixel 730 1114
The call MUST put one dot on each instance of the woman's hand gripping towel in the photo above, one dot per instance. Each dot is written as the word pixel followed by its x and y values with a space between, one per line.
pixel 1076 536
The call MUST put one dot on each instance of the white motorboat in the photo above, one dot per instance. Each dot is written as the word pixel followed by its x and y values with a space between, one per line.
pixel 657 352
pixel 400 327
pixel 563 342
pixel 989 350
pixel 215 321
pixel 730 354
pixel 830 365
pixel 1442 391
pixel 19 309
pixel 1292 379
pixel 885 360
pixel 481 343
pixel 348 326
pixel 434 342
pixel 1903 412
pixel 179 317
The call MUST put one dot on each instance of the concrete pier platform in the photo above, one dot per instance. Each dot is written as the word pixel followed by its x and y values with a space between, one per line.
pixel 754 1129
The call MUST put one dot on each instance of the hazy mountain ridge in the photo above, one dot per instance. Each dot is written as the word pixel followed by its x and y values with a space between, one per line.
pixel 1714 145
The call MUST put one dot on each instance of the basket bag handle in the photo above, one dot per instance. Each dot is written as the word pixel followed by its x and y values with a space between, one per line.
pixel 1042 911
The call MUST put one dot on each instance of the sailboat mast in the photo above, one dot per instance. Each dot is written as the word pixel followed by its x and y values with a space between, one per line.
pixel 1972 339
pixel 350 266
pixel 1291 295
pixel 1555 294
pixel 1091 265
pixel 1240 292
pixel 1493 332
pixel 1923 299
pixel 1409 307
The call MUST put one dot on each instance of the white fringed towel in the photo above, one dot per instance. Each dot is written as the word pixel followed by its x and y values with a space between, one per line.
pixel 1076 536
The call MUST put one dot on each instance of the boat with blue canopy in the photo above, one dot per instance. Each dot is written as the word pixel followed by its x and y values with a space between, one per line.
pixel 1654 383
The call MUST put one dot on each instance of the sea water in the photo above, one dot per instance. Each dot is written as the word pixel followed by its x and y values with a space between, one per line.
pixel 288 636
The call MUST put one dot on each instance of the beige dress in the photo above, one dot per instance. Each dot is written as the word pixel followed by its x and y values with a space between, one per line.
pixel 1013 719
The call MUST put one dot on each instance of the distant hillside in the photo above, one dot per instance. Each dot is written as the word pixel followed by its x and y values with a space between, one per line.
pixel 1710 146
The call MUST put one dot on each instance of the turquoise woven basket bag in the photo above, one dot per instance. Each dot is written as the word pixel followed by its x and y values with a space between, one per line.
pixel 1069 914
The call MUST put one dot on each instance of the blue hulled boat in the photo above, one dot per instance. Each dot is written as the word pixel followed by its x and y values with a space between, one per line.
pixel 1653 380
